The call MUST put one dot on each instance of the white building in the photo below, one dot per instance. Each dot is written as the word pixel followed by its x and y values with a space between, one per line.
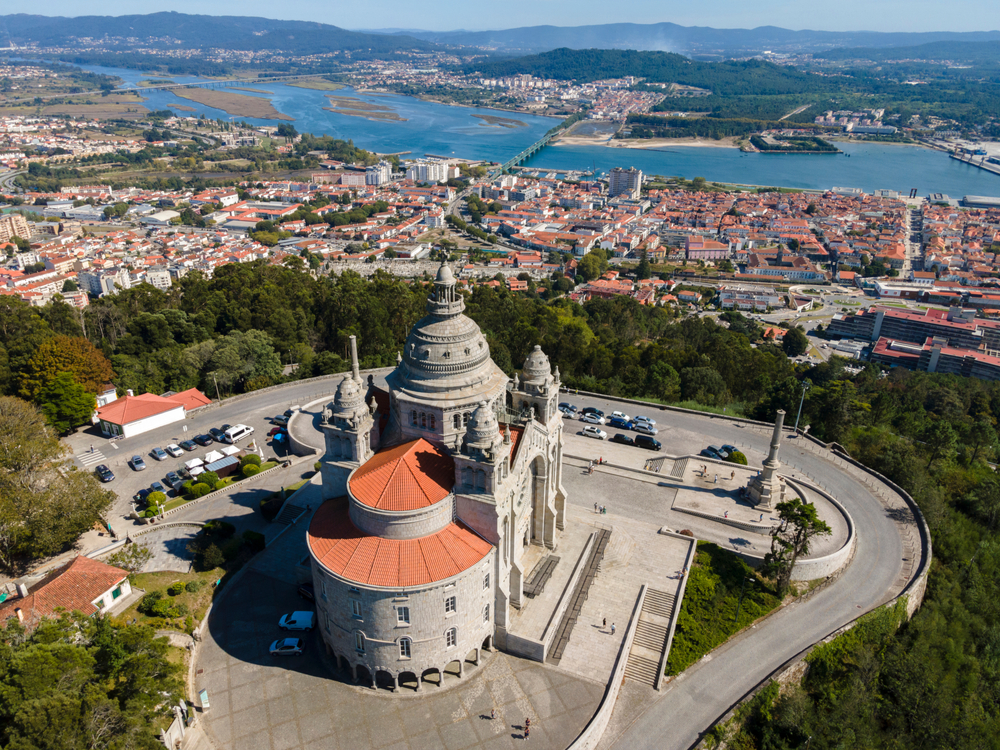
pixel 625 182
pixel 379 174
pixel 423 171
pixel 99 281
pixel 134 415
pixel 433 494
pixel 159 277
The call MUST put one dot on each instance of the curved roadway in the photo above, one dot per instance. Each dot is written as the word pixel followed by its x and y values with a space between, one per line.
pixel 692 703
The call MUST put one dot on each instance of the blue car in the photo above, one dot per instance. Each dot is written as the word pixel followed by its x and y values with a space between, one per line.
pixel 621 424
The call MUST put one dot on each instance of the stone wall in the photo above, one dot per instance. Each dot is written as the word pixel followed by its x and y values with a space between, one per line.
pixel 409 525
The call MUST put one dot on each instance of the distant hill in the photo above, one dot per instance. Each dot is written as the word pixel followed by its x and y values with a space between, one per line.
pixel 731 77
pixel 688 40
pixel 180 30
pixel 959 52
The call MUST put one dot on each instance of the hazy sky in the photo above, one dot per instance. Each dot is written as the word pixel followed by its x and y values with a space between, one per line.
pixel 840 15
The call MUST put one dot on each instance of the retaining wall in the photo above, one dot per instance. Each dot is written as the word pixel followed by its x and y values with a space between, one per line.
pixel 688 562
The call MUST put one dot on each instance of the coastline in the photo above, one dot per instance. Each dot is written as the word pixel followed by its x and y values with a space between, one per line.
pixel 646 144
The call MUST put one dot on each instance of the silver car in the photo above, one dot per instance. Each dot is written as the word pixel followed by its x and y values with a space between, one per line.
pixel 286 647
pixel 592 419
pixel 645 429
pixel 594 432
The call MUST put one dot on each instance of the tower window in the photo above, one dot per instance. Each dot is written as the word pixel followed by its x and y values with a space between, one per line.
pixel 403 615
pixel 423 420
pixel 486 582
pixel 450 637
pixel 355 608
pixel 486 613
pixel 457 421
pixel 359 641
pixel 465 419
pixel 449 604
pixel 414 417
pixel 432 421
pixel 404 648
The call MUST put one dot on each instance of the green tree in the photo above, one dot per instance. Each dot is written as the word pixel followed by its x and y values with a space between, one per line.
pixel 795 343
pixel 643 271
pixel 73 354
pixel 593 264
pixel 799 525
pixel 65 403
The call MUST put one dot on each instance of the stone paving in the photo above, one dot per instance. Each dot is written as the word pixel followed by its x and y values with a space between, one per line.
pixel 260 702
pixel 169 547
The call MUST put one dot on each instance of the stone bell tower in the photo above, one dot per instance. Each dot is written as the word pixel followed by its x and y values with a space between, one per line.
pixel 347 431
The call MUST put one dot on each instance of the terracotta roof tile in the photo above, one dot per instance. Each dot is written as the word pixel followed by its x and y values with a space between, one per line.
pixel 391 563
pixel 405 477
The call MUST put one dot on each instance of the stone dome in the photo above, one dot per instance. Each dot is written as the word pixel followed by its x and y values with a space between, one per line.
pixel 349 397
pixel 536 366
pixel 483 429
pixel 444 275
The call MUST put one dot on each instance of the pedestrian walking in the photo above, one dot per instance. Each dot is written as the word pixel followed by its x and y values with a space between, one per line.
pixel 527 723
pixel 91 447
pixel 604 623
pixel 595 507
pixel 726 514
pixel 761 516
pixel 716 479
pixel 602 460
pixel 612 628
pixel 733 475
pixel 527 732
pixel 493 714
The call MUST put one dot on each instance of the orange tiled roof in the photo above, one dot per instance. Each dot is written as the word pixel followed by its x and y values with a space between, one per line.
pixel 405 477
pixel 71 587
pixel 192 398
pixel 391 563
pixel 133 408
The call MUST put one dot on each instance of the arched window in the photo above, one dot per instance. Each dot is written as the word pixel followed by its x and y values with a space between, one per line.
pixel 457 421
pixel 423 420
pixel 480 480
pixel 359 641
pixel 467 477
pixel 414 417
pixel 432 421
pixel 450 637
pixel 404 648
pixel 465 419
pixel 486 613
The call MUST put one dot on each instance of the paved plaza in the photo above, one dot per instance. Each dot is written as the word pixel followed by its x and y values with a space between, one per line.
pixel 260 702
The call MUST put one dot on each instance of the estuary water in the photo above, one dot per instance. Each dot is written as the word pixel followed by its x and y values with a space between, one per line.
pixel 443 130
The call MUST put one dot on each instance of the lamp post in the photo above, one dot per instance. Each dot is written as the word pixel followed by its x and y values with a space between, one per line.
pixel 805 387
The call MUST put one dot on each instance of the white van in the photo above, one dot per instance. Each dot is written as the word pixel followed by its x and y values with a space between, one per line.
pixel 238 432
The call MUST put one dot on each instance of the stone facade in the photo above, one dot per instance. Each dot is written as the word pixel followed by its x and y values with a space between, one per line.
pixel 502 442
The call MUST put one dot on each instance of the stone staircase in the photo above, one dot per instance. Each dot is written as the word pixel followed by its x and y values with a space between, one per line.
pixel 618 552
pixel 572 614
pixel 677 470
pixel 650 640
pixel 289 513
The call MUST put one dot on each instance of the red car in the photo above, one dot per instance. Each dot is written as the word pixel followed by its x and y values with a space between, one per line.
pixel 275 431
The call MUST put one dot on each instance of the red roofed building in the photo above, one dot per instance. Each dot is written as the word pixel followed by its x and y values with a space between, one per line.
pixel 434 491
pixel 134 415
pixel 83 585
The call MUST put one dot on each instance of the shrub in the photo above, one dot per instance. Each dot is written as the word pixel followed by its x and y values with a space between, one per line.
pixel 131 557
pixel 156 498
pixel 151 512
pixel 250 459
pixel 736 457
pixel 317 466
pixel 187 487
pixel 147 602
pixel 212 557
pixel 254 540
pixel 161 608
pixel 200 490
pixel 175 588
pixel 209 478
pixel 219 529
pixel 180 609
pixel 189 625
pixel 193 586
pixel 220 484
pixel 231 549
pixel 250 470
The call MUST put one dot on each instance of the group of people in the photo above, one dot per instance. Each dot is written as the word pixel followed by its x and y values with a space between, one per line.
pixel 594 462
pixel 527 722
pixel 601 509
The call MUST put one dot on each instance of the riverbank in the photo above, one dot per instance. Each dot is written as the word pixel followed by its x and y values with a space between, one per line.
pixel 238 105
pixel 347 105
pixel 647 144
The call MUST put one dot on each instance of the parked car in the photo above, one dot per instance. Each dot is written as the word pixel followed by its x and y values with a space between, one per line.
pixel 297 621
pixel 644 420
pixel 567 412
pixel 290 411
pixel 594 432
pixel 729 449
pixel 188 445
pixel 158 453
pixel 236 433
pixel 645 441
pixel 274 431
pixel 623 439
pixel 306 592
pixel 140 498
pixel 592 419
pixel 203 440
pixel 621 415
pixel 225 427
pixel 591 410
pixel 218 435
pixel 644 428
pixel 174 479
pixel 568 407
pixel 620 423
pixel 138 464
pixel 174 450
pixel 709 453
pixel 721 453
pixel 280 419
pixel 286 647
pixel 157 487
pixel 104 473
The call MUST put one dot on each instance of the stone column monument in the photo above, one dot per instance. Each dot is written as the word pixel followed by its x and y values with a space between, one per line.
pixel 767 489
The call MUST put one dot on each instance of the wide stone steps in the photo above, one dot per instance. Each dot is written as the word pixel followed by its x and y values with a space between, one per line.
pixel 650 635
pixel 619 551
pixel 641 669
pixel 658 603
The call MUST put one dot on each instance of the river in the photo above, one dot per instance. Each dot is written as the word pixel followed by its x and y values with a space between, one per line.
pixel 443 130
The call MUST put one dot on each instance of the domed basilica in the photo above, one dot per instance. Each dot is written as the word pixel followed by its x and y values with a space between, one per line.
pixel 433 491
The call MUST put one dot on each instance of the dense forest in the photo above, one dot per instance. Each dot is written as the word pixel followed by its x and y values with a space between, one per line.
pixel 933 682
